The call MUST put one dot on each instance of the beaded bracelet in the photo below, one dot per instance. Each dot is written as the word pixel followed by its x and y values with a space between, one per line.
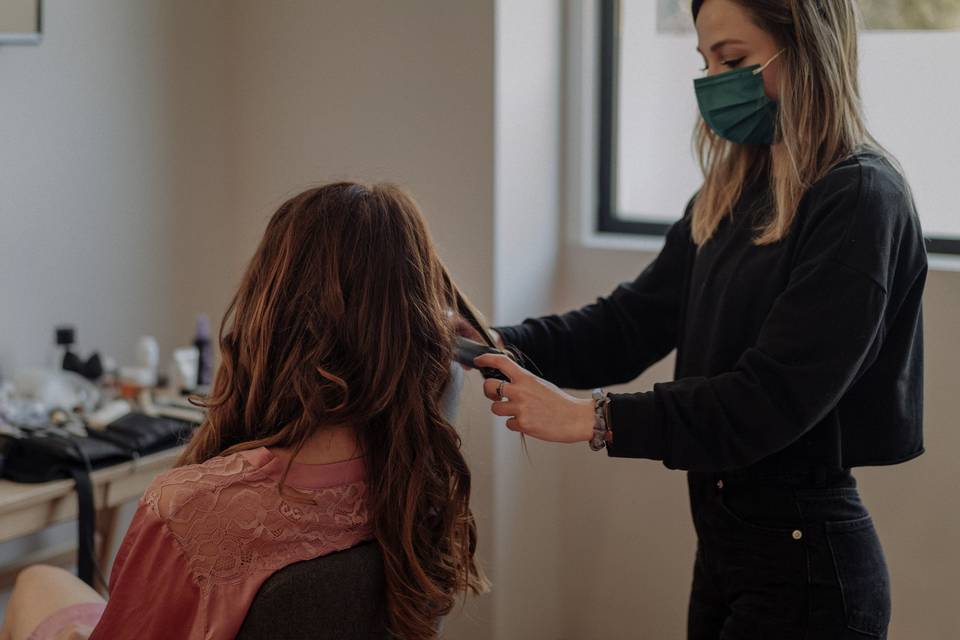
pixel 600 426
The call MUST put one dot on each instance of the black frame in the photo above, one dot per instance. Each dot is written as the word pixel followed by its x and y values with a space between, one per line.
pixel 608 218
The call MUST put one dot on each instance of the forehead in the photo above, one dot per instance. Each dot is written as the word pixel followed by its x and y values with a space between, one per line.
pixel 722 20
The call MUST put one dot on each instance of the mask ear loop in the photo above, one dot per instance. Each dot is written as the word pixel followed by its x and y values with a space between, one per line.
pixel 767 63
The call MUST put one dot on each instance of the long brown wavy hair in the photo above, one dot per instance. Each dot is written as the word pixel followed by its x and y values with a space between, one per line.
pixel 820 119
pixel 343 318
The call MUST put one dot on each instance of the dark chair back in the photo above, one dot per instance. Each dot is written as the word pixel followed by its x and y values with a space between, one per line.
pixel 339 596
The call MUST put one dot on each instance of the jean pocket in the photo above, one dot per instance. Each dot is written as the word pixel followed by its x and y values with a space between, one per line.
pixel 760 517
pixel 862 573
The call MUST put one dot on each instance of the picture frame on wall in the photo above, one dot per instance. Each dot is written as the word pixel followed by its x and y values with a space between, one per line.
pixel 21 21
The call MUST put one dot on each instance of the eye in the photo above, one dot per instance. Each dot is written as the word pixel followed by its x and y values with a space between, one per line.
pixel 730 64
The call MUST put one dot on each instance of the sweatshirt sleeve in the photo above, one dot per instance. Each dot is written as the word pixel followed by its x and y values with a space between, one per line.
pixel 619 336
pixel 152 594
pixel 821 333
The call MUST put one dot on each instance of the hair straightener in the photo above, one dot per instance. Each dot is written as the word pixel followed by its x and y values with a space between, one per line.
pixel 465 350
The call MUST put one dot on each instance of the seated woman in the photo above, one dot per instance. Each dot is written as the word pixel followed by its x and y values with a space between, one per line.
pixel 326 428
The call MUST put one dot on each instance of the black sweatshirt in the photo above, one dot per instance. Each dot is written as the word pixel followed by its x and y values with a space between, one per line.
pixel 807 353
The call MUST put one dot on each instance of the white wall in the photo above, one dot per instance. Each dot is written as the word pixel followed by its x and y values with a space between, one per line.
pixel 528 163
pixel 101 126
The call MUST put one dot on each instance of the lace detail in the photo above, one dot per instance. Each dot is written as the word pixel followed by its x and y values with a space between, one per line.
pixel 231 521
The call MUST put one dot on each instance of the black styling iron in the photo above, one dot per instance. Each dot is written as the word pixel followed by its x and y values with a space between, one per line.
pixel 465 350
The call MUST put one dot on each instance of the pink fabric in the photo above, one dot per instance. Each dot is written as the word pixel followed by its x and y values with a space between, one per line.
pixel 206 537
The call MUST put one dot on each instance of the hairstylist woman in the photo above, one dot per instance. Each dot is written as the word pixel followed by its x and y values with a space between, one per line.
pixel 791 291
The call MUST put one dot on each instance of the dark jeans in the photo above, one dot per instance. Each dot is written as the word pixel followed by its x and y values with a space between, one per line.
pixel 789 557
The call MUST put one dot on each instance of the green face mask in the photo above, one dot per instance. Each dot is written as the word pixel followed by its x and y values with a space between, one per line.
pixel 735 106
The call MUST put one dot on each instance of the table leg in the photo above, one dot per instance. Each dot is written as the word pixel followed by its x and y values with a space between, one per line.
pixel 107 529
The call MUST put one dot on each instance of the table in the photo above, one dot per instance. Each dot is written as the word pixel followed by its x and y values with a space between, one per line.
pixel 28 508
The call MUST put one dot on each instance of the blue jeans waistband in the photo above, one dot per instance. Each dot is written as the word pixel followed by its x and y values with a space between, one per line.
pixel 797 479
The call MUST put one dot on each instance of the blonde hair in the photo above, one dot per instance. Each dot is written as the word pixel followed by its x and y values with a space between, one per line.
pixel 820 119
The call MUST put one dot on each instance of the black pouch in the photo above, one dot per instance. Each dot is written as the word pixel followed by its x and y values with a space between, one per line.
pixel 54 455
pixel 140 434
pixel 42 458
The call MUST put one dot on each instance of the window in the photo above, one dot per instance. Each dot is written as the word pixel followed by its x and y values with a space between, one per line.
pixel 647 109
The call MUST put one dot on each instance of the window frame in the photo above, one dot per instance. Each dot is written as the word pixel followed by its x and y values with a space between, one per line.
pixel 609 220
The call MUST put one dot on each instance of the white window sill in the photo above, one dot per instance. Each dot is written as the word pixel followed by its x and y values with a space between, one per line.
pixel 622 242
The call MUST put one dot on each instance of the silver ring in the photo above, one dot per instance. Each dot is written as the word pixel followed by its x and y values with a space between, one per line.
pixel 500 390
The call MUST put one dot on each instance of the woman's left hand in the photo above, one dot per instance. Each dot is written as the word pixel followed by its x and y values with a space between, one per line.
pixel 534 406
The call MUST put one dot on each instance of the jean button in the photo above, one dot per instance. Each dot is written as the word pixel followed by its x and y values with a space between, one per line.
pixel 797 534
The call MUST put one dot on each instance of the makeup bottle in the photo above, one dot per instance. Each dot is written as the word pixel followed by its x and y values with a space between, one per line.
pixel 148 358
pixel 202 343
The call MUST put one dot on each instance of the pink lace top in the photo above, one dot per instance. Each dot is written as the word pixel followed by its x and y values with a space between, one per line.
pixel 206 537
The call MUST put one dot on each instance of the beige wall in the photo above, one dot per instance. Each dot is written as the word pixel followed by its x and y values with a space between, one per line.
pixel 372 90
